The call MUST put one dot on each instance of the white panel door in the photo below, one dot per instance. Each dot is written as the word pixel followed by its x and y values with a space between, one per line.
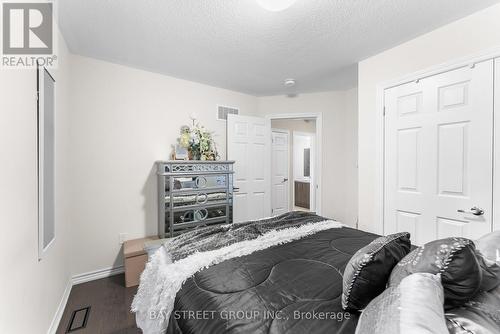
pixel 279 172
pixel 438 155
pixel 249 145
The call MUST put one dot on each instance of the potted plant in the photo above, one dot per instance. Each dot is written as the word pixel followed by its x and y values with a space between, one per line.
pixel 199 142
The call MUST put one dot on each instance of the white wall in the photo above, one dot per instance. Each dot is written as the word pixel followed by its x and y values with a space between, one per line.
pixel 123 120
pixel 31 290
pixel 473 34
pixel 339 145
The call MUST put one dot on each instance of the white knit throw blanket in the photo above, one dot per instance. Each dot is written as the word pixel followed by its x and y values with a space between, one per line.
pixel 162 278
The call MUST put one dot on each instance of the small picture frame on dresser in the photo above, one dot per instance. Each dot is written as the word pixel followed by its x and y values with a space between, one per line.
pixel 180 152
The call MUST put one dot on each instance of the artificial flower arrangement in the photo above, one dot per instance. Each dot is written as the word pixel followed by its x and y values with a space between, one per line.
pixel 198 141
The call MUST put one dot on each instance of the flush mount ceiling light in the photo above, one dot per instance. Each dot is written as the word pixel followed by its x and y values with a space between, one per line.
pixel 275 5
pixel 289 83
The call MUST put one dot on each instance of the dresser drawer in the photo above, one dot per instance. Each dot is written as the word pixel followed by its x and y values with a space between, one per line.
pixel 198 182
pixel 202 197
pixel 197 216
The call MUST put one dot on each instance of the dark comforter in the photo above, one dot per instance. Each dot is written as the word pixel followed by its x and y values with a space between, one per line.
pixel 291 288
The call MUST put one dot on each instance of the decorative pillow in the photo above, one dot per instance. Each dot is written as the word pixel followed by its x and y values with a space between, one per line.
pixel 479 315
pixel 413 307
pixel 488 254
pixel 367 272
pixel 490 272
pixel 454 258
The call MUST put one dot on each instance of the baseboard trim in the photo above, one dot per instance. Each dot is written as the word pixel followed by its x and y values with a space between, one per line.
pixel 78 279
pixel 97 274
pixel 60 309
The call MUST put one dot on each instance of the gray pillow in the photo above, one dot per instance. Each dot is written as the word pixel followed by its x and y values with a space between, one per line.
pixel 490 272
pixel 479 315
pixel 454 258
pixel 413 307
pixel 367 272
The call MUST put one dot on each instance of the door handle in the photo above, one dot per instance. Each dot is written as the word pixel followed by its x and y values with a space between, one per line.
pixel 236 189
pixel 285 180
pixel 476 211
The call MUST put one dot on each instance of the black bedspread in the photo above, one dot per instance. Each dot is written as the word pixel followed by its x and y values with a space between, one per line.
pixel 291 288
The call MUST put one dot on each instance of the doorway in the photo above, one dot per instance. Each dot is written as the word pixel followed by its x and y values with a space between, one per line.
pixel 249 144
pixel 294 164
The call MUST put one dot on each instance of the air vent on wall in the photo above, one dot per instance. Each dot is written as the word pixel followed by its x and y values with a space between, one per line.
pixel 223 111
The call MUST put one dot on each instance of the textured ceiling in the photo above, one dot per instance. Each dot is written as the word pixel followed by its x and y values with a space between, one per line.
pixel 236 44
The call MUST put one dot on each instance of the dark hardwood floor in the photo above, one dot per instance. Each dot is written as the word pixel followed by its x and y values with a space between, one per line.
pixel 109 303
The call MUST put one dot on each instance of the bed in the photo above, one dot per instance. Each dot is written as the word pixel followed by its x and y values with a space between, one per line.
pixel 295 287
pixel 280 275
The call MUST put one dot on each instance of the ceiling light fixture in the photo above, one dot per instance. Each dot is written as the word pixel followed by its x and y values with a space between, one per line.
pixel 289 83
pixel 275 5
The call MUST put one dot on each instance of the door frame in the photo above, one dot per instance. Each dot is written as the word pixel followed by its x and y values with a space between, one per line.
pixel 288 162
pixel 467 61
pixel 318 117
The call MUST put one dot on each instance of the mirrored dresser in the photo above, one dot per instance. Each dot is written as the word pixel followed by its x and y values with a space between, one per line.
pixel 192 194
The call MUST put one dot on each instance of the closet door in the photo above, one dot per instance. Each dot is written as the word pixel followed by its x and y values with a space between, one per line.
pixel 438 155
